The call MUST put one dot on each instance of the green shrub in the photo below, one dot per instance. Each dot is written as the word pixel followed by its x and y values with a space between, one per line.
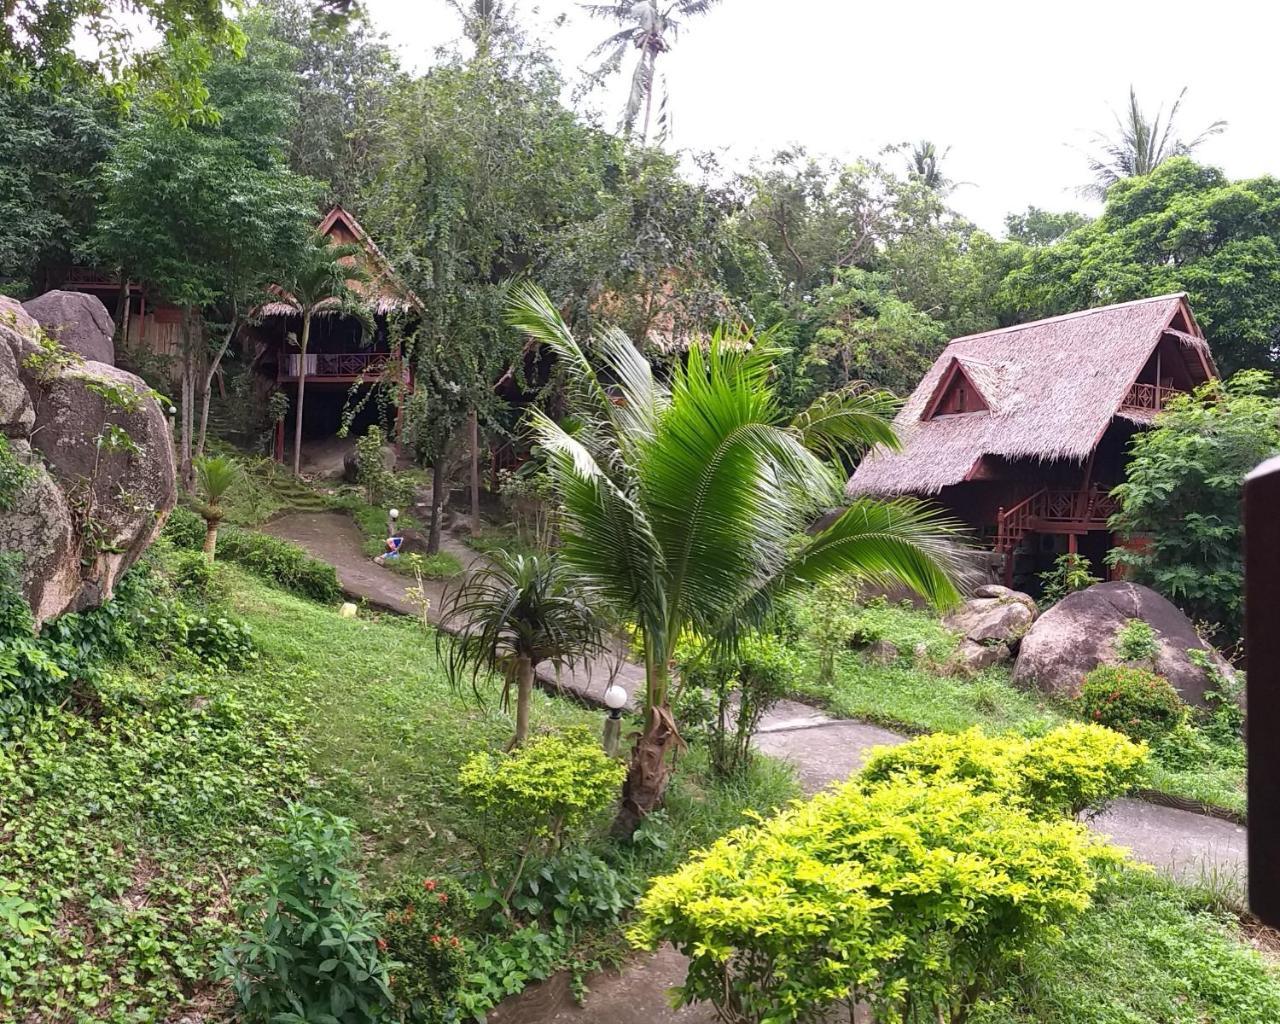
pixel 441 566
pixel 1072 768
pixel 217 641
pixel 184 529
pixel 1134 701
pixel 421 924
pixel 743 685
pixel 279 561
pixel 1136 641
pixel 573 888
pixel 309 949
pixel 536 799
pixel 195 577
pixel 910 897
pixel 285 564
pixel 1070 572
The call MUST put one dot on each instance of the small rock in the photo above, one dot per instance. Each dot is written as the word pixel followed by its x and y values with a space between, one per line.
pixel 991 619
pixel 882 652
pixel 348 610
pixel 974 657
pixel 1006 594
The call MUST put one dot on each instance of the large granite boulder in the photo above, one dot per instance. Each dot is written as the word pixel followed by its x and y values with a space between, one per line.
pixel 100 476
pixel 78 322
pixel 994 615
pixel 1079 633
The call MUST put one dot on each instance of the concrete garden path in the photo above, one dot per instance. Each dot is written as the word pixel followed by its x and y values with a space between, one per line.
pixel 821 749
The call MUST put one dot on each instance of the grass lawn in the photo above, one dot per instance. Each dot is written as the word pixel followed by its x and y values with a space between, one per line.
pixel 913 693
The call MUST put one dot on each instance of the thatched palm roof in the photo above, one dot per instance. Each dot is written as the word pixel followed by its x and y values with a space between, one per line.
pixel 384 290
pixel 1051 387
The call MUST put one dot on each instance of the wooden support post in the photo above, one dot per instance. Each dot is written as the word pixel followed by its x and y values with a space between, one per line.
pixel 1262 649
pixel 1072 544
pixel 474 429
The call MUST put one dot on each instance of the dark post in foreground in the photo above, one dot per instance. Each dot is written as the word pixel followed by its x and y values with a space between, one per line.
pixel 1262 648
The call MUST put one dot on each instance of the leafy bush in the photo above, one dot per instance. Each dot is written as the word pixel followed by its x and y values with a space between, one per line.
pixel 1134 701
pixel 184 529
pixel 906 896
pixel 443 565
pixel 1070 572
pixel 279 561
pixel 743 685
pixel 1182 493
pixel 1070 769
pixel 421 924
pixel 194 575
pixel 217 641
pixel 309 949
pixel 1136 641
pixel 573 888
pixel 529 802
pixel 283 563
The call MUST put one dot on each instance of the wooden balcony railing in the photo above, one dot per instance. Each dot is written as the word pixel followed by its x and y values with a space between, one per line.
pixel 1054 510
pixel 336 364
pixel 1148 397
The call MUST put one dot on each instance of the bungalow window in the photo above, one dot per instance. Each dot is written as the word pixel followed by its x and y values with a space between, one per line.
pixel 956 396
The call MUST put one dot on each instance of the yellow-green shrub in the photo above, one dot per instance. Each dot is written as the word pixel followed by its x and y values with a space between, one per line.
pixel 525 804
pixel 1073 768
pixel 910 895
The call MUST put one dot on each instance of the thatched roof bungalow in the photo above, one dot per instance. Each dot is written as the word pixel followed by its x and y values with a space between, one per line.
pixel 1021 432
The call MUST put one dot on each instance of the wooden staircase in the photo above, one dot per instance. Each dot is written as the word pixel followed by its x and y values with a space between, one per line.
pixel 1052 510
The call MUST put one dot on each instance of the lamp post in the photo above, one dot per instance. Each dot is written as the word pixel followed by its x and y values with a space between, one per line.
pixel 615 699
pixel 392 516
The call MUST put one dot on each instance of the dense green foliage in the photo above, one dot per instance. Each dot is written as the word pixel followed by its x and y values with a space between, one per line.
pixel 421 924
pixel 910 893
pixel 1135 701
pixel 1070 572
pixel 1182 496
pixel 309 949
pixel 1182 227
pixel 1068 770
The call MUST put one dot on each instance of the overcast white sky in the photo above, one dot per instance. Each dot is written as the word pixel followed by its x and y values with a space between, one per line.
pixel 1014 88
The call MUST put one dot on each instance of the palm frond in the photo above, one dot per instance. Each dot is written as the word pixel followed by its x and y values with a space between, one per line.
pixel 848 421
pixel 216 477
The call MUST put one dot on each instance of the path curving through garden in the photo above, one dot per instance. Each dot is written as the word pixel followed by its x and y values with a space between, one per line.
pixel 821 749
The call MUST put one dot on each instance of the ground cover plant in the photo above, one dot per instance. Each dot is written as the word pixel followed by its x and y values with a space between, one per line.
pixel 891 664
pixel 893 892
pixel 154 783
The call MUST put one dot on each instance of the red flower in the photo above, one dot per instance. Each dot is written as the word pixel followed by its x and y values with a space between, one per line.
pixel 429 884
pixel 435 940
pixel 1097 714
pixel 443 897
pixel 453 941
pixel 382 943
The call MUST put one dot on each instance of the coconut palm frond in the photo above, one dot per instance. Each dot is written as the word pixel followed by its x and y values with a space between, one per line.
pixel 848 421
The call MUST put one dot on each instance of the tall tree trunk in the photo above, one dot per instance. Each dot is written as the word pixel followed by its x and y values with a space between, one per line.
pixel 437 483
pixel 474 428
pixel 210 538
pixel 188 399
pixel 524 694
pixel 208 385
pixel 302 387
pixel 649 772
pixel 651 59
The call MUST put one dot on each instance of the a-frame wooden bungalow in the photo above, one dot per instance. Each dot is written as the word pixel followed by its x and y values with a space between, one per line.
pixel 337 355
pixel 1022 432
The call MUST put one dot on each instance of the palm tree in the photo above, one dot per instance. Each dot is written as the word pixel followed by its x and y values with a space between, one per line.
pixel 650 28
pixel 512 616
pixel 321 282
pixel 680 505
pixel 925 165
pixel 216 475
pixel 1141 144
